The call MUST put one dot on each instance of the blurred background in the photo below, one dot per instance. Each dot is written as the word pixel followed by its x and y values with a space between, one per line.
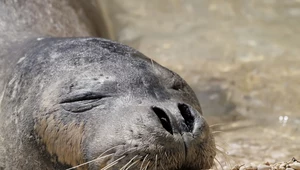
pixel 241 57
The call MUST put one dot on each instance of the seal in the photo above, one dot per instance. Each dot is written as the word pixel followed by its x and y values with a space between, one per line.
pixel 90 103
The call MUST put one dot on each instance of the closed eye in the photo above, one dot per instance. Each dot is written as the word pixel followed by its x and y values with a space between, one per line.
pixel 83 97
pixel 82 102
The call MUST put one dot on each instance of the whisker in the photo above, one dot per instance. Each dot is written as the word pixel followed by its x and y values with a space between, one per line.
pixel 156 162
pixel 214 132
pixel 219 163
pixel 220 149
pixel 162 166
pixel 218 144
pixel 143 162
pixel 222 152
pixel 227 158
pixel 88 162
pixel 215 165
pixel 217 124
pixel 167 157
pixel 113 163
pixel 147 165
pixel 132 164
pixel 128 162
pixel 152 64
pixel 126 151
pixel 96 159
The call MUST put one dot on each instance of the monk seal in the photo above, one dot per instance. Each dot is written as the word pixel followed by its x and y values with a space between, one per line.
pixel 91 103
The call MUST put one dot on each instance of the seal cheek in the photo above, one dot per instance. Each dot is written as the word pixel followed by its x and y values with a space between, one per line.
pixel 62 140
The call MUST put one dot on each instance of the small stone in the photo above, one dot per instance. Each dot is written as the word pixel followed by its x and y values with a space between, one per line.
pixel 295 165
pixel 236 167
pixel 282 166
pixel 242 168
pixel 267 163
pixel 263 167
pixel 276 166
pixel 248 167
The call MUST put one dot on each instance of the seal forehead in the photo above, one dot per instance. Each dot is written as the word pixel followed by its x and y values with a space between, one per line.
pixel 89 54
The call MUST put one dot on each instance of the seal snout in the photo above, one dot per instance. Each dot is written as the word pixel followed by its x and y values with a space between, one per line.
pixel 190 135
pixel 186 122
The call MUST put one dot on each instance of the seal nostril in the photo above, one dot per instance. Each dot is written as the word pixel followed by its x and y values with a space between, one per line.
pixel 164 119
pixel 189 119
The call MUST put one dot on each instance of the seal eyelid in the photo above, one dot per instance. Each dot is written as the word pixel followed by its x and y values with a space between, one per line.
pixel 83 97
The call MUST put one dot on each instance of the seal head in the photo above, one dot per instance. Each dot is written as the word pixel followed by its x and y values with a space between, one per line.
pixel 90 103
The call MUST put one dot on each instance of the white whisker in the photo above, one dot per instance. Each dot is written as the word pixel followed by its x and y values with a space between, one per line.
pixel 128 162
pixel 113 163
pixel 98 158
pixel 143 162
pixel 132 164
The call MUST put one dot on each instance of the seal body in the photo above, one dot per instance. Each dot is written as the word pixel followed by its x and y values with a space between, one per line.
pixel 90 103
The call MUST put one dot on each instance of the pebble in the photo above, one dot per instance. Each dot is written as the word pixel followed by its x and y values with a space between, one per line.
pixel 291 165
pixel 264 167
pixel 295 165
pixel 248 167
